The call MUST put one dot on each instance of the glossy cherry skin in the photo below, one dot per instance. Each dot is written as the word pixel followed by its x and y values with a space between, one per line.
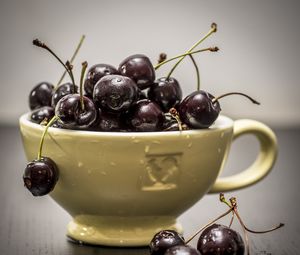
pixel 198 111
pixel 145 116
pixel 222 240
pixel 115 93
pixel 171 124
pixel 41 95
pixel 40 176
pixel 38 115
pixel 164 240
pixel 107 122
pixel 182 250
pixel 72 116
pixel 95 73
pixel 139 68
pixel 166 93
pixel 63 90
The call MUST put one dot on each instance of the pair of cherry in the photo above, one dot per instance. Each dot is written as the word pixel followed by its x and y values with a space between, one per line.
pixel 215 239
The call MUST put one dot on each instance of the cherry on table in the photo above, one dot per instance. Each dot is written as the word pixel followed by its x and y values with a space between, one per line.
pixel 164 240
pixel 222 240
pixel 139 68
pixel 95 73
pixel 182 250
pixel 41 95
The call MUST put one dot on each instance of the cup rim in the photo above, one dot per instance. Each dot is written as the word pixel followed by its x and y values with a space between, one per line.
pixel 222 122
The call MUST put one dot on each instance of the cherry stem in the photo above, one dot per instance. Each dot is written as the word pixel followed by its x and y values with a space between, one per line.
pixel 211 31
pixel 72 59
pixel 197 72
pixel 212 49
pixel 84 66
pixel 50 123
pixel 175 115
pixel 40 44
pixel 223 200
pixel 162 57
pixel 235 93
pixel 208 224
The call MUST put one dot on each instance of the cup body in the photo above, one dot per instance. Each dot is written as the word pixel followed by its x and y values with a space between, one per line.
pixel 130 183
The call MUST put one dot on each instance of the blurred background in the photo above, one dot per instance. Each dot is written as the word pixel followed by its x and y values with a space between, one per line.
pixel 258 43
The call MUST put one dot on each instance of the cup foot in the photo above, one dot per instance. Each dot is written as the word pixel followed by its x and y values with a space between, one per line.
pixel 119 231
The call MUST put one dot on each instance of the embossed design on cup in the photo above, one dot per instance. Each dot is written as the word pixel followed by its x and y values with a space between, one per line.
pixel 161 171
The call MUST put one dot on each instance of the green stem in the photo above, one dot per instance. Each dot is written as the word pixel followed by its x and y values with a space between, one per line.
pixel 197 72
pixel 72 58
pixel 50 123
pixel 211 31
pixel 235 93
pixel 212 49
pixel 84 66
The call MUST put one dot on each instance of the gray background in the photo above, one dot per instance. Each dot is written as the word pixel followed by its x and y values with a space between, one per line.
pixel 259 42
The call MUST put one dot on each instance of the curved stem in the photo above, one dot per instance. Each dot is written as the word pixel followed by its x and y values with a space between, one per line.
pixel 84 66
pixel 72 59
pixel 211 31
pixel 175 115
pixel 223 200
pixel 40 44
pixel 50 123
pixel 235 93
pixel 208 224
pixel 212 49
pixel 197 72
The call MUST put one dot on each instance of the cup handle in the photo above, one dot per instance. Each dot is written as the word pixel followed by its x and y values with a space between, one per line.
pixel 263 163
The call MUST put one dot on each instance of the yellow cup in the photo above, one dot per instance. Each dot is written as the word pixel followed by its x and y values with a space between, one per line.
pixel 122 188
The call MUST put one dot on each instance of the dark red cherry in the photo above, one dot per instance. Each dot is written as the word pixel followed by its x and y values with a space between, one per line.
pixel 182 250
pixel 145 116
pixel 107 122
pixel 94 74
pixel 164 240
pixel 38 115
pixel 70 112
pixel 139 68
pixel 115 93
pixel 198 110
pixel 41 95
pixel 40 176
pixel 63 90
pixel 222 240
pixel 166 93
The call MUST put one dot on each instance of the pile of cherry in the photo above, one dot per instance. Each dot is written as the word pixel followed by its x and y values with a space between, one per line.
pixel 215 239
pixel 127 98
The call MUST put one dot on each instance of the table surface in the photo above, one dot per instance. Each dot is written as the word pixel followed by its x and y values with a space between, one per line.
pixel 30 225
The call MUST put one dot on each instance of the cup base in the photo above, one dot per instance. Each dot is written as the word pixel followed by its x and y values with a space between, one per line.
pixel 119 231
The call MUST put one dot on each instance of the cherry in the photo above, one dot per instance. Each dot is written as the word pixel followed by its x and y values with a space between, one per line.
pixel 94 74
pixel 115 93
pixel 107 121
pixel 63 90
pixel 40 114
pixel 182 250
pixel 145 116
pixel 164 240
pixel 41 95
pixel 139 68
pixel 200 109
pixel 75 110
pixel 173 122
pixel 41 174
pixel 219 239
pixel 166 93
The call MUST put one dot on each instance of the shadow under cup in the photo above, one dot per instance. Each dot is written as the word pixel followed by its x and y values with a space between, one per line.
pixel 122 188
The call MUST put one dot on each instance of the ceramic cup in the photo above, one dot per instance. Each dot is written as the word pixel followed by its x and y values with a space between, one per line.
pixel 122 188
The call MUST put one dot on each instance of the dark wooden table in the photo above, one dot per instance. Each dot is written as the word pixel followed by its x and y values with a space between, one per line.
pixel 32 226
